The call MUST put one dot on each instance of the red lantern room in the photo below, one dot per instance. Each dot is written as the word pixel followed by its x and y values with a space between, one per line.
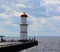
pixel 24 15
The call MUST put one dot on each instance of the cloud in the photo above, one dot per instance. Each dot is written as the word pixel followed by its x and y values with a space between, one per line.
pixel 43 21
pixel 53 23
pixel 4 16
pixel 56 18
pixel 36 23
pixel 21 5
pixel 55 29
pixel 4 31
pixel 50 2
pixel 58 9
pixel 41 25
pixel 52 7
pixel 9 13
pixel 7 27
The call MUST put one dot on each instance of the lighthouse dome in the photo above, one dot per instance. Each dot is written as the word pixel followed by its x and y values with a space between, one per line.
pixel 24 15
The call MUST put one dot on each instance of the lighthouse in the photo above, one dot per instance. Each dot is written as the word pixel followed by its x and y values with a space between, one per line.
pixel 23 26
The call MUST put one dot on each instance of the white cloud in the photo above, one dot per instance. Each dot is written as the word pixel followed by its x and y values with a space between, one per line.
pixel 14 13
pixel 51 6
pixel 43 21
pixel 8 15
pixel 6 7
pixel 36 20
pixel 21 5
pixel 58 9
pixel 49 2
pixel 55 29
pixel 56 18
pixel 37 23
pixel 24 1
pixel 43 24
pixel 10 11
pixel 53 23
pixel 4 16
pixel 18 6
pixel 34 24
pixel 4 31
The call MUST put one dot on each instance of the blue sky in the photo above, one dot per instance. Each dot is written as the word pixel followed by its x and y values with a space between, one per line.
pixel 43 17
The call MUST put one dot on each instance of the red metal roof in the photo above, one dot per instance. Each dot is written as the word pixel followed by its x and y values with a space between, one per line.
pixel 24 15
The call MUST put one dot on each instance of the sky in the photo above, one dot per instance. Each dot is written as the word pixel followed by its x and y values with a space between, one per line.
pixel 43 17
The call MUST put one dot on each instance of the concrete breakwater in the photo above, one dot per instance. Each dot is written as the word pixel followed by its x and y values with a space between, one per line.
pixel 16 46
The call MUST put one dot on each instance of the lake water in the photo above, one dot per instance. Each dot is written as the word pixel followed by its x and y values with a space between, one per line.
pixel 46 44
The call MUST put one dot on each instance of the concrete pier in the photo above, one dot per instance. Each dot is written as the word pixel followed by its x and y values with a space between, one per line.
pixel 6 44
pixel 16 46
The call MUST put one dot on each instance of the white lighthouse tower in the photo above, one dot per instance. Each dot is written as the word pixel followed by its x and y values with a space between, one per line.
pixel 23 26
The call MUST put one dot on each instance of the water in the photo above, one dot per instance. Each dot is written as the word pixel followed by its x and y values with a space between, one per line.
pixel 46 44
